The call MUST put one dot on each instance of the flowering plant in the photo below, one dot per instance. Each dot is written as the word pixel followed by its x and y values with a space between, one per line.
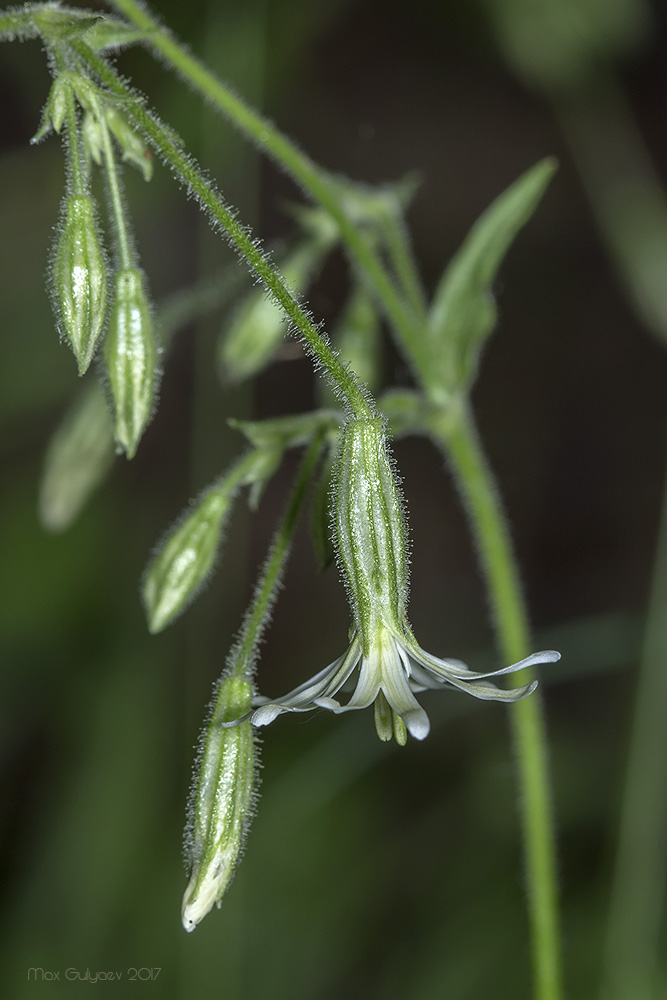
pixel 103 310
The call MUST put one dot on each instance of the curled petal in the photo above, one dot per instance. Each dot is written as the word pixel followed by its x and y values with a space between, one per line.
pixel 450 669
pixel 489 692
pixel 312 693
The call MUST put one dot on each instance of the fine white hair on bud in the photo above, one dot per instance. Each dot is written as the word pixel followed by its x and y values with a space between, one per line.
pixel 370 529
pixel 130 357
pixel 257 330
pixel 222 801
pixel 80 279
pixel 185 558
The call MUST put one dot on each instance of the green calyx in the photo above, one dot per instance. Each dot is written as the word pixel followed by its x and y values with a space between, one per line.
pixel 185 559
pixel 130 358
pixel 222 801
pixel 80 279
pixel 370 530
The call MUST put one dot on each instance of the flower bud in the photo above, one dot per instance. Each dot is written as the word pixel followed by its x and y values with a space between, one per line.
pixel 79 457
pixel 130 357
pixel 134 149
pixel 185 558
pixel 249 344
pixel 222 802
pixel 370 529
pixel 358 337
pixel 80 279
pixel 55 109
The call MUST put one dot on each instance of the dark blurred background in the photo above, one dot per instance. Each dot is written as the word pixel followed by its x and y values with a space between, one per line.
pixel 370 870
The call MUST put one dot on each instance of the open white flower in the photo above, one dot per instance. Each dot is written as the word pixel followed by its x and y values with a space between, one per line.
pixel 389 676
pixel 392 666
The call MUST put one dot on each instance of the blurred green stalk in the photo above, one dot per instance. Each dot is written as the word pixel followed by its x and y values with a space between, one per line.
pixel 631 212
pixel 624 191
pixel 632 945
pixel 499 565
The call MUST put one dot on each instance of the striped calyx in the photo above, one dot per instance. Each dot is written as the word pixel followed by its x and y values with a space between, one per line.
pixel 370 530
pixel 130 356
pixel 80 279
pixel 222 802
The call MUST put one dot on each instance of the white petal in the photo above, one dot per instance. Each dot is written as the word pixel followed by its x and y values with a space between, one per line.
pixel 368 684
pixel 489 692
pixel 266 714
pixel 444 668
pixel 396 687
pixel 417 722
pixel 313 692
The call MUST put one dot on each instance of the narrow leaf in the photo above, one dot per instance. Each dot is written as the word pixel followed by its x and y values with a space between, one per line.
pixel 463 313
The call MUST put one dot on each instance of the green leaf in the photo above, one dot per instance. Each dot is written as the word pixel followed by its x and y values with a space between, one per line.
pixel 134 150
pixel 463 313
pixel 110 33
pixel 58 24
pixel 292 431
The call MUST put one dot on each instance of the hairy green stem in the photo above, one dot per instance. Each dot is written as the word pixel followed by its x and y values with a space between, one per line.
pixel 123 243
pixel 243 655
pixel 301 168
pixel 187 170
pixel 17 23
pixel 456 433
pixel 74 143
pixel 638 891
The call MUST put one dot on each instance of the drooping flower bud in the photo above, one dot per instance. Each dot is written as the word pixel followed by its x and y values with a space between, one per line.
pixel 80 279
pixel 358 337
pixel 134 149
pixel 370 530
pixel 79 456
pixel 250 342
pixel 185 558
pixel 131 359
pixel 222 802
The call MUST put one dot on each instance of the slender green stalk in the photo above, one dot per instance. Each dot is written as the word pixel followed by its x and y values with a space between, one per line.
pixel 73 151
pixel 123 243
pixel 17 23
pixel 404 266
pixel 624 190
pixel 241 661
pixel 74 159
pixel 459 439
pixel 295 163
pixel 638 890
pixel 187 170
